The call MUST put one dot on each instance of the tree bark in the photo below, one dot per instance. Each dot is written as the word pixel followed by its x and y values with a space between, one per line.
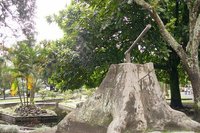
pixel 194 75
pixel 4 94
pixel 175 90
pixel 174 61
pixel 129 100
pixel 32 95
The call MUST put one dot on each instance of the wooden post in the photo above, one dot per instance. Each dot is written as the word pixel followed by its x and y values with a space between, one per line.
pixel 127 53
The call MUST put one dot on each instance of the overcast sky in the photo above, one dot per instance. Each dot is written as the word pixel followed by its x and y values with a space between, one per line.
pixel 46 8
pixel 45 31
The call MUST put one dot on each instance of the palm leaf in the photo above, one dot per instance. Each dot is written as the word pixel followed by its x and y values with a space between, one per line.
pixel 14 88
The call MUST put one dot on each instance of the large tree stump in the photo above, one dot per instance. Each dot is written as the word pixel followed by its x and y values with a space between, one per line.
pixel 129 100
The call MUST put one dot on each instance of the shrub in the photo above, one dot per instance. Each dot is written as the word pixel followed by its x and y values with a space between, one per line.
pixel 43 93
pixel 88 92
pixel 68 94
pixel 52 94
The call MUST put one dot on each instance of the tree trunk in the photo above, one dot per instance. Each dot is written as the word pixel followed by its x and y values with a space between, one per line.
pixel 174 80
pixel 4 93
pixel 194 76
pixel 189 57
pixel 32 95
pixel 129 100
pixel 175 90
pixel 20 97
pixel 193 71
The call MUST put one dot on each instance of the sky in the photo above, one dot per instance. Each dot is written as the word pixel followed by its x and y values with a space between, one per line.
pixel 45 30
pixel 45 8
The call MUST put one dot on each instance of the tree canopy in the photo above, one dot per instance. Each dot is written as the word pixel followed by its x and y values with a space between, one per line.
pixel 98 37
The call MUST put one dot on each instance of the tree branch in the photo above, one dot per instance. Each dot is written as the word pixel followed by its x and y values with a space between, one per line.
pixel 196 29
pixel 196 6
pixel 196 37
pixel 166 35
pixel 143 4
pixel 193 14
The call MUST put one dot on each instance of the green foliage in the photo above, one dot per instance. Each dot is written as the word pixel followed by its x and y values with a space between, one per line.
pixel 88 92
pixel 43 94
pixel 47 93
pixel 68 94
pixel 5 75
pixel 24 59
pixel 95 39
pixel 98 33
pixel 27 61
pixel 52 94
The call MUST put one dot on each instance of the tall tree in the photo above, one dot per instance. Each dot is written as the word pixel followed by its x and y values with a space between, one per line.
pixel 27 64
pixel 103 37
pixel 3 76
pixel 188 56
pixel 189 53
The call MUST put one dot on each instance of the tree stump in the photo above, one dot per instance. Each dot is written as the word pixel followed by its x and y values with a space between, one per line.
pixel 129 100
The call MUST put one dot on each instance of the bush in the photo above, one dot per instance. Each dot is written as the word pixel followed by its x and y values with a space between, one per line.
pixel 68 94
pixel 52 94
pixel 43 94
pixel 88 92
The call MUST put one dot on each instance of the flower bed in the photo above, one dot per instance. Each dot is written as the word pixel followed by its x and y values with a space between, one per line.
pixel 28 120
pixel 30 115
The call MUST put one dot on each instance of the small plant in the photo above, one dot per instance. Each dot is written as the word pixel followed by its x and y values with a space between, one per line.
pixel 52 94
pixel 43 94
pixel 22 84
pixel 88 92
pixel 68 94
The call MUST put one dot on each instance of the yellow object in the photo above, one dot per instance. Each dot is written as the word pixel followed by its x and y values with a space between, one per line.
pixel 30 82
pixel 14 88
